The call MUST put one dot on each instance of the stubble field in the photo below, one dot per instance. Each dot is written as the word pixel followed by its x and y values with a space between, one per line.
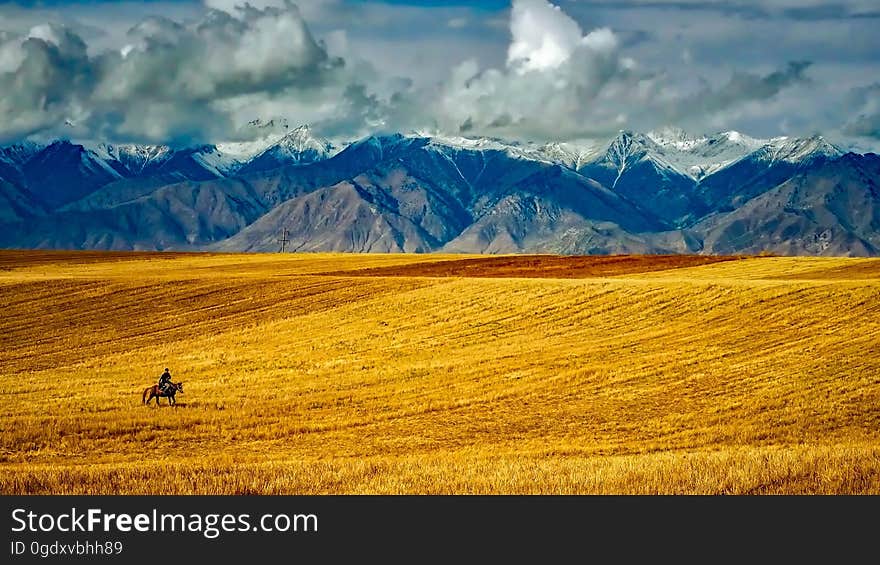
pixel 319 373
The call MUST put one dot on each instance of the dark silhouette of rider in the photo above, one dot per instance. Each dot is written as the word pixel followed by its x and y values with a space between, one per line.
pixel 164 380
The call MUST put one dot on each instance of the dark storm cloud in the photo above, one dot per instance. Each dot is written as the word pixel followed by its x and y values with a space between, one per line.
pixel 170 81
pixel 44 73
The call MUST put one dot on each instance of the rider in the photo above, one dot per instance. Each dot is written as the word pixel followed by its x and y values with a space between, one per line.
pixel 164 380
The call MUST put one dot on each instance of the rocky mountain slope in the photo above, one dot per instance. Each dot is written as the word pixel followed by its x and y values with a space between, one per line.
pixel 660 192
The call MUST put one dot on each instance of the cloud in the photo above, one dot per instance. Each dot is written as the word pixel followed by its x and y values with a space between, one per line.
pixel 310 9
pixel 172 81
pixel 742 88
pixel 221 57
pixel 556 82
pixel 543 36
pixel 866 122
pixel 533 71
pixel 560 82
pixel 231 6
pixel 42 75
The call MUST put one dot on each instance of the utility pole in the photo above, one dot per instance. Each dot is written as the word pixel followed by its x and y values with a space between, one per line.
pixel 285 239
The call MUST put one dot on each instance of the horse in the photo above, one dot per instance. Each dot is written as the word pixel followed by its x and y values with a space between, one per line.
pixel 169 392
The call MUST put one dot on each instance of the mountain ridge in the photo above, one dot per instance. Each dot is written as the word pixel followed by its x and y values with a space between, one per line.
pixel 660 192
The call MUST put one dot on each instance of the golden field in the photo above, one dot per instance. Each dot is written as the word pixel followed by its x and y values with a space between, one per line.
pixel 320 373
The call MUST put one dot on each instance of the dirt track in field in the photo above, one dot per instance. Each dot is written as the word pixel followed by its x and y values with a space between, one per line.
pixel 542 266
pixel 13 259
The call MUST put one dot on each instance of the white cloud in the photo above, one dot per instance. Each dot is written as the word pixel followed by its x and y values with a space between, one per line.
pixel 560 82
pixel 557 82
pixel 172 81
pixel 589 70
pixel 544 37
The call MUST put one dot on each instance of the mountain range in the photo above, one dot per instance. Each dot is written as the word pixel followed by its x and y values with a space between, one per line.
pixel 658 192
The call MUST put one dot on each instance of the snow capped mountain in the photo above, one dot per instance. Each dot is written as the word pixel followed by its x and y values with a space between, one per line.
pixel 664 191
pixel 629 149
pixel 265 133
pixel 799 150
pixel 244 151
pixel 709 144
pixel 62 172
pixel 301 143
pixel 135 158
pixel 89 157
pixel 471 143
pixel 570 154
pixel 216 161
pixel 278 146
pixel 13 158
pixel 19 153
pixel 700 156
pixel 635 167
pixel 669 149
pixel 675 138
pixel 773 163
pixel 146 159
pixel 297 146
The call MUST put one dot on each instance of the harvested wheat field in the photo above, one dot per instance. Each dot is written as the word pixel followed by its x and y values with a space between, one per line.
pixel 321 373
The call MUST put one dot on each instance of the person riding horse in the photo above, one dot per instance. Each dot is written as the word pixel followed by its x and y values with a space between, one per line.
pixel 164 380
pixel 165 389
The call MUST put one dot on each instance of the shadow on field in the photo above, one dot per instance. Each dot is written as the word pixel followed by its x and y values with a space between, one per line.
pixel 178 405
pixel 541 266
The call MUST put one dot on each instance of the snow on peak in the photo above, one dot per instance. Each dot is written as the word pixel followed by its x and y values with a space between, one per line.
pixel 675 138
pixel 301 140
pixel 20 152
pixel 133 156
pixel 669 149
pixel 296 146
pixel 245 150
pixel 275 137
pixel 217 162
pixel 628 143
pixel 740 139
pixel 794 150
pixel 683 141
pixel 699 156
pixel 472 143
pixel 126 150
pixel 572 154
pixel 630 147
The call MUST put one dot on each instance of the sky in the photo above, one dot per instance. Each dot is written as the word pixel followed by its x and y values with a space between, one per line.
pixel 192 71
